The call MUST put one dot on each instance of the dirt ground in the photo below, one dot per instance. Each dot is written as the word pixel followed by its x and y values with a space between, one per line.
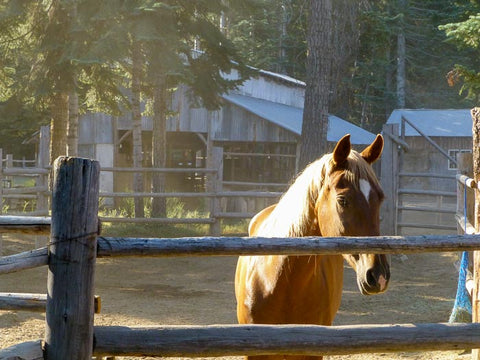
pixel 153 291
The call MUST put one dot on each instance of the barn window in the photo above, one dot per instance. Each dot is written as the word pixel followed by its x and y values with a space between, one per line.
pixel 453 154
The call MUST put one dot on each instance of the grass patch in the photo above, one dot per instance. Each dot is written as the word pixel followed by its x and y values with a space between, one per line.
pixel 231 228
pixel 176 208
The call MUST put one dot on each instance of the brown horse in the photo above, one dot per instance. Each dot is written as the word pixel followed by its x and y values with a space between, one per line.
pixel 337 195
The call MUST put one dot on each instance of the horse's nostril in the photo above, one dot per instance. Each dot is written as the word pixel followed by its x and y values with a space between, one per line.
pixel 371 279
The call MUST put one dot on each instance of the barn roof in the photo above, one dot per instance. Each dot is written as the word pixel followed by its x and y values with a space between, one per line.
pixel 448 122
pixel 290 118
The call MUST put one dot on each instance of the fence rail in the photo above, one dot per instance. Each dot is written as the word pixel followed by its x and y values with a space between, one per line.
pixel 71 240
pixel 15 198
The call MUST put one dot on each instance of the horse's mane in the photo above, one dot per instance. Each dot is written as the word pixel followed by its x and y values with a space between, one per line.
pixel 292 215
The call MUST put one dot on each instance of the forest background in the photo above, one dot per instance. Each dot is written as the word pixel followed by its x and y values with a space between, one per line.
pixel 59 58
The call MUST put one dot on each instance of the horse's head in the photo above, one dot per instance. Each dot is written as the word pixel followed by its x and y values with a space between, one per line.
pixel 348 204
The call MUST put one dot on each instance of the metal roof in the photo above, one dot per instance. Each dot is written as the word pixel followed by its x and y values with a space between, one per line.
pixel 291 118
pixel 448 122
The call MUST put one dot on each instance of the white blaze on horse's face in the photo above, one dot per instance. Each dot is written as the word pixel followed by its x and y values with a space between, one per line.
pixel 365 188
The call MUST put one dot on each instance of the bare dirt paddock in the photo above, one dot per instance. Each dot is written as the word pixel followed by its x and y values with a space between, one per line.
pixel 152 291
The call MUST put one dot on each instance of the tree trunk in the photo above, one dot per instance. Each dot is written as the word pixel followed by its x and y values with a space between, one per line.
pixel 317 93
pixel 72 128
pixel 401 56
pixel 159 146
pixel 58 125
pixel 137 126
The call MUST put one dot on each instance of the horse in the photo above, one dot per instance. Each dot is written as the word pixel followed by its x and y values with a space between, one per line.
pixel 336 195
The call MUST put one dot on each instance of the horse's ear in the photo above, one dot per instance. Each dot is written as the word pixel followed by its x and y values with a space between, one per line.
pixel 374 150
pixel 342 150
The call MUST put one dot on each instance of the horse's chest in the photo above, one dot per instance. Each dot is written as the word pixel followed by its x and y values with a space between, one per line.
pixel 297 290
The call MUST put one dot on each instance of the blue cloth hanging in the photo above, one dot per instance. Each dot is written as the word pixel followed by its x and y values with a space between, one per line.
pixel 462 308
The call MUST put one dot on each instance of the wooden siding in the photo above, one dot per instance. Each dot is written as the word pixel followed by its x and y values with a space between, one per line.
pixel 236 124
pixel 95 129
pixel 187 118
pixel 424 158
pixel 271 87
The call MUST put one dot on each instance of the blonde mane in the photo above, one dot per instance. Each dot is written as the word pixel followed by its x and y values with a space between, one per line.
pixel 292 214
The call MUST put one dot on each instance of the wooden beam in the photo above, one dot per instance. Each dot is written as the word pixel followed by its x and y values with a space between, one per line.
pixel 476 255
pixel 238 340
pixel 228 246
pixel 71 260
pixel 30 350
pixel 25 224
pixel 32 302
pixel 24 260
pixel 433 143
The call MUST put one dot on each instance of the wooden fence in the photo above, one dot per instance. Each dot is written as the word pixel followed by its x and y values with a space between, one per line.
pixel 75 244
pixel 413 196
pixel 24 190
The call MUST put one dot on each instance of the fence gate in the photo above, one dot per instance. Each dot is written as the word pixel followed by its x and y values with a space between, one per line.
pixel 420 190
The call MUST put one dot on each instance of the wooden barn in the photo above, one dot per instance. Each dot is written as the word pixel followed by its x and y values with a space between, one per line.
pixel 255 133
pixel 425 166
pixel 253 137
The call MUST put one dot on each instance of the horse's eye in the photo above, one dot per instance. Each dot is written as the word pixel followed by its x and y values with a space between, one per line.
pixel 342 201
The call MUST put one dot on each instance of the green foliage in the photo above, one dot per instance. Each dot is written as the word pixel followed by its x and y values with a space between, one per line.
pixel 84 46
pixel 464 34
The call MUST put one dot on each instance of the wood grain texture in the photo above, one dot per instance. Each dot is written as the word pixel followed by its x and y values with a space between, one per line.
pixel 72 254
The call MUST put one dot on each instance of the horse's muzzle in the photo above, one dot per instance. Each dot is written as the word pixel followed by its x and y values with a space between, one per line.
pixel 375 281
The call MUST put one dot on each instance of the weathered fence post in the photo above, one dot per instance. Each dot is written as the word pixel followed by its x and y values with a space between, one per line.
pixel 72 254
pixel 389 181
pixel 476 255
pixel 215 161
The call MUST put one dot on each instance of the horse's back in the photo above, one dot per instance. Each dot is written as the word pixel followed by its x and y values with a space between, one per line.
pixel 258 219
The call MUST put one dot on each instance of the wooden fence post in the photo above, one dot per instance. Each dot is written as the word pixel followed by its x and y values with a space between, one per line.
pixel 216 162
pixel 1 196
pixel 389 180
pixel 72 254
pixel 476 255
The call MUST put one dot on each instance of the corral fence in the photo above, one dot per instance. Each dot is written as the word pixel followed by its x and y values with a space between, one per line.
pixel 70 302
pixel 24 191
pixel 420 190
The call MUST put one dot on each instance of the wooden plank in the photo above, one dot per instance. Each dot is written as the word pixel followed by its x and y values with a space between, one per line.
pixel 25 171
pixel 389 180
pixel 427 175
pixel 426 209
pixel 476 255
pixel 208 246
pixel 30 350
pixel 426 192
pixel 255 184
pixel 243 154
pixel 238 340
pixel 1 196
pixel 426 226
pixel 158 220
pixel 215 160
pixel 156 170
pixel 26 190
pixel 71 261
pixel 166 195
pixel 237 215
pixel 25 260
pixel 32 302
pixel 25 224
pixel 433 143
